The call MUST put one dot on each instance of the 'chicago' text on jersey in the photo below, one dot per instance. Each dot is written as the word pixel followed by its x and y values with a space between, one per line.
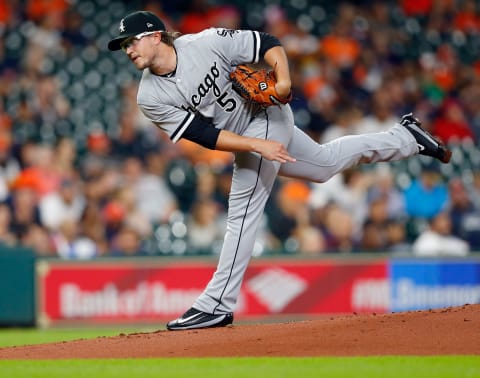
pixel 209 83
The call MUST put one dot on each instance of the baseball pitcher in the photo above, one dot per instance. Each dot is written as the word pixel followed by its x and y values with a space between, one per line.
pixel 199 87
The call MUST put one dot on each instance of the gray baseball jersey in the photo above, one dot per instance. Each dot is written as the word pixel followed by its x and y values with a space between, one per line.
pixel 201 84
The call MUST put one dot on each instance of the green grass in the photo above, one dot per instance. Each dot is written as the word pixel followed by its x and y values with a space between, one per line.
pixel 371 367
pixel 330 367
pixel 27 336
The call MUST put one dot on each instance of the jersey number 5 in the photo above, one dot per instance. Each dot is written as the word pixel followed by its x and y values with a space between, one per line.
pixel 227 104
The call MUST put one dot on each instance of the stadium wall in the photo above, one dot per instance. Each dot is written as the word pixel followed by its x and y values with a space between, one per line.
pixel 53 292
pixel 155 290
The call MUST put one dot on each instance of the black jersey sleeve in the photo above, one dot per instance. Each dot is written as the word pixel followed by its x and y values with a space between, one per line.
pixel 267 41
pixel 202 132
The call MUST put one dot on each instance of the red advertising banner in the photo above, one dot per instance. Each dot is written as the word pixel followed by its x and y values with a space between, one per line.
pixel 152 291
pixel 320 287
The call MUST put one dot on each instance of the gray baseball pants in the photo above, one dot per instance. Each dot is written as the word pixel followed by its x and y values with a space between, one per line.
pixel 253 179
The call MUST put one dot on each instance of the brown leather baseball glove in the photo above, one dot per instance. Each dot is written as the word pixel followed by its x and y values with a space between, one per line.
pixel 257 86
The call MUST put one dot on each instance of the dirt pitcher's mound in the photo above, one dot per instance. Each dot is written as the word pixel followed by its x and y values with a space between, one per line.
pixel 454 330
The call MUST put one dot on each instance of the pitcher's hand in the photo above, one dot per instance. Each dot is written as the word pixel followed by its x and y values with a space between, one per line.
pixel 274 151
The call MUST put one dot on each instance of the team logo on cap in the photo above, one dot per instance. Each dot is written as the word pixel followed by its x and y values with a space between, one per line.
pixel 122 26
pixel 149 25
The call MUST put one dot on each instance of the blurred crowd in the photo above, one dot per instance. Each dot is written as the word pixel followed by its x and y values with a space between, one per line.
pixel 83 174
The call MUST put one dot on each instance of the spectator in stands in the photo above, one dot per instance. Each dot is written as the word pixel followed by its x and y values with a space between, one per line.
pixel 465 218
pixel 311 241
pixel 69 243
pixel 93 227
pixel 381 115
pixel 99 153
pixel 38 239
pixel 127 242
pixel 290 226
pixel 225 16
pixel 152 197
pixel 345 119
pixel 66 157
pixel 23 204
pixel 41 175
pixel 50 104
pixel 205 228
pixel 397 237
pixel 25 121
pixel 352 195
pixel 72 35
pixel 374 231
pixel 113 216
pixel 291 204
pixel 130 140
pixel 383 186
pixel 468 96
pixel 141 123
pixel 101 183
pixel 437 240
pixel 46 32
pixel 298 43
pixel 195 18
pixel 67 203
pixel 451 124
pixel 416 7
pixel 5 12
pixel 427 195
pixel 467 18
pixel 387 209
pixel 373 238
pixel 206 182
pixel 338 228
pixel 340 47
pixel 37 9
pixel 126 198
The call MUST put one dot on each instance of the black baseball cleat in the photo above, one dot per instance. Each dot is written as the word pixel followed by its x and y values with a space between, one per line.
pixel 427 144
pixel 193 319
